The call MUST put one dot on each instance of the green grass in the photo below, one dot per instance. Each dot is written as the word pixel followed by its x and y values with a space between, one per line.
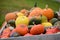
pixel 16 5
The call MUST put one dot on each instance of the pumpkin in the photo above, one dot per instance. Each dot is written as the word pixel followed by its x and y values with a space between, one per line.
pixel 37 29
pixel 6 33
pixel 12 23
pixel 10 16
pixel 55 15
pixel 22 29
pixel 48 12
pixel 20 14
pixel 53 20
pixel 22 20
pixel 24 11
pixel 47 24
pixel 43 18
pixel 35 12
pixel 14 33
pixel 34 20
pixel 57 24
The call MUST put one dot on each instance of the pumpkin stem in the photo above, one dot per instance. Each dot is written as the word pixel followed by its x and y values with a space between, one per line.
pixel 46 6
pixel 35 5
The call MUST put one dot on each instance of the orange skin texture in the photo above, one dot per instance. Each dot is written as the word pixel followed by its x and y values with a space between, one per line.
pixel 22 29
pixel 35 12
pixel 10 16
pixel 48 13
pixel 37 29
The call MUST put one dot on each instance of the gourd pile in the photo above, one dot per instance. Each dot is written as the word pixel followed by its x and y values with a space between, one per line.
pixel 35 21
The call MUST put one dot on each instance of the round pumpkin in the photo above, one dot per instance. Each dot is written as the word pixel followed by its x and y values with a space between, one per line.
pixel 34 20
pixel 10 16
pixel 22 29
pixel 37 29
pixel 48 12
pixel 22 20
pixel 35 12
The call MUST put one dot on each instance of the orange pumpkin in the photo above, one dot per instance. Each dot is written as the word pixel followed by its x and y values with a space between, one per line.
pixel 48 12
pixel 37 29
pixel 10 16
pixel 35 12
pixel 24 11
pixel 22 29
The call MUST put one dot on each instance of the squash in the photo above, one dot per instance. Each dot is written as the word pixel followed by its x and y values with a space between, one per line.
pixel 55 15
pixel 53 20
pixel 37 29
pixel 35 12
pixel 24 11
pixel 12 23
pixel 34 20
pixel 14 33
pixel 43 18
pixel 48 12
pixel 10 16
pixel 20 14
pixel 47 24
pixel 22 29
pixel 6 33
pixel 22 20
pixel 57 23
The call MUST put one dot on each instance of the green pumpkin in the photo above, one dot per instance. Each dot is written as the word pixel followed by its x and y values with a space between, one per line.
pixel 55 15
pixel 53 20
pixel 34 21
pixel 43 19
pixel 12 23
pixel 57 23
